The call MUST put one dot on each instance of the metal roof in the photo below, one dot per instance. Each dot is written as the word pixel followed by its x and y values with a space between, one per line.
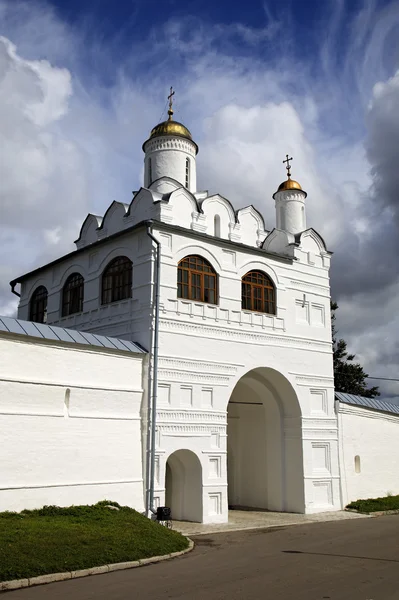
pixel 49 332
pixel 372 403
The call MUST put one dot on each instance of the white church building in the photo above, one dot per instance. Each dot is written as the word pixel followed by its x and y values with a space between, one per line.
pixel 182 356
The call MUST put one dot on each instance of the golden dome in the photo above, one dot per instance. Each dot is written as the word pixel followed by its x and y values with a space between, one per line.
pixel 289 184
pixel 170 127
pixel 173 128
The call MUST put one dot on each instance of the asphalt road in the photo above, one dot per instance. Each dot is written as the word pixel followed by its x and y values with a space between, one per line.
pixel 344 560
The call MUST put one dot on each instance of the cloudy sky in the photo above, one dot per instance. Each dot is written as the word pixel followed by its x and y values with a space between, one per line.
pixel 82 84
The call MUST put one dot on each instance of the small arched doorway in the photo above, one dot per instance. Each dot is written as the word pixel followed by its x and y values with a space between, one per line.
pixel 264 444
pixel 183 486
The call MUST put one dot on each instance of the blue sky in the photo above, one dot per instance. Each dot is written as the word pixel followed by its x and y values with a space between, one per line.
pixel 83 83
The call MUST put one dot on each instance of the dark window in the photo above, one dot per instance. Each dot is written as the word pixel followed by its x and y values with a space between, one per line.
pixel 188 173
pixel 149 172
pixel 38 305
pixel 258 293
pixel 117 280
pixel 72 295
pixel 196 280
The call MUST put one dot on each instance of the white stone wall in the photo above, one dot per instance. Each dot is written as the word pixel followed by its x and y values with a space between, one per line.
pixel 70 426
pixel 369 452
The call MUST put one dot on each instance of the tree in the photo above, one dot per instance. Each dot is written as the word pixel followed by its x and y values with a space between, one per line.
pixel 349 376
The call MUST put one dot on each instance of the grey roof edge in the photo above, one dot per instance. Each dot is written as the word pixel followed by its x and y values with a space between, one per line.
pixel 370 403
pixel 53 333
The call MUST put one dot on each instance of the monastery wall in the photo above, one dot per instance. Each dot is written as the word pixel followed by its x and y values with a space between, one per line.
pixel 70 424
pixel 369 450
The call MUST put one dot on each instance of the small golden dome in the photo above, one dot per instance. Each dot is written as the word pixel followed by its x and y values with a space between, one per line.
pixel 290 184
pixel 170 127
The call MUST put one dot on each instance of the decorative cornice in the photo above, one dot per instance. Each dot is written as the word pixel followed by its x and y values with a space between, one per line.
pixel 185 364
pixel 243 335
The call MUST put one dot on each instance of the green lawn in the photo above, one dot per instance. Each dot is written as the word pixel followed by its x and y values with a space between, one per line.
pixel 375 504
pixel 53 540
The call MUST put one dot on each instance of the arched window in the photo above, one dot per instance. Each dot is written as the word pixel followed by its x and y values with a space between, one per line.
pixel 149 172
pixel 72 295
pixel 258 293
pixel 38 305
pixel 117 280
pixel 196 280
pixel 188 173
pixel 216 226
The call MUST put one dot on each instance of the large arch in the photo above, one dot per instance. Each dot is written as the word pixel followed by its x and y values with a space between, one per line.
pixel 264 444
pixel 183 486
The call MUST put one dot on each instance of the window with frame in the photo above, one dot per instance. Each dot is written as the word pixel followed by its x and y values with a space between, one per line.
pixel 149 172
pixel 38 305
pixel 117 280
pixel 72 295
pixel 258 293
pixel 188 173
pixel 197 280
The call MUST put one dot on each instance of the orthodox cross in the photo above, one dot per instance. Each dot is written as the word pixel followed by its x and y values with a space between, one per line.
pixel 170 98
pixel 288 167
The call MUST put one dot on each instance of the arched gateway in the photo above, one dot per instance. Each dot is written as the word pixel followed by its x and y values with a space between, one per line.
pixel 264 444
pixel 183 486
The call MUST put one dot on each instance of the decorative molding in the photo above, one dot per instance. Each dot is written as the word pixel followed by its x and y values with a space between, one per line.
pixel 321 423
pixel 193 377
pixel 202 430
pixel 210 332
pixel 180 416
pixel 313 380
pixel 368 413
pixel 185 364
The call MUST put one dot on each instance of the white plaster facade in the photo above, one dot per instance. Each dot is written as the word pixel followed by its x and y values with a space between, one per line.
pixel 245 400
pixel 369 451
pixel 70 424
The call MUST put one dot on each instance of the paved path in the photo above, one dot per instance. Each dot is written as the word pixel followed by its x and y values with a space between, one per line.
pixel 343 560
pixel 252 519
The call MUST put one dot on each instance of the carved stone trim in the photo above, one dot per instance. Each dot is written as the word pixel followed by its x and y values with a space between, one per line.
pixel 179 416
pixel 184 364
pixel 244 335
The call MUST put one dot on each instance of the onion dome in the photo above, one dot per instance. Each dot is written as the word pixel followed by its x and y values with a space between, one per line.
pixel 289 184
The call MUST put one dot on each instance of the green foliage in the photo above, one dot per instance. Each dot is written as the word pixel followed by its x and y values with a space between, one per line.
pixel 375 504
pixel 349 377
pixel 55 539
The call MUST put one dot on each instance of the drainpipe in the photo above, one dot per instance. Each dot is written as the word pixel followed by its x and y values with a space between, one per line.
pixel 13 284
pixel 155 347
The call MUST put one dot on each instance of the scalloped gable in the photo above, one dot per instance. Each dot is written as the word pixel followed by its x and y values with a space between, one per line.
pixel 280 242
pixel 252 226
pixel 89 231
pixel 311 249
pixel 164 185
pixel 143 206
pixel 180 208
pixel 311 241
pixel 219 215
pixel 113 218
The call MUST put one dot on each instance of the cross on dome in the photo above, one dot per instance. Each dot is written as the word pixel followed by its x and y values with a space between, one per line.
pixel 170 98
pixel 288 167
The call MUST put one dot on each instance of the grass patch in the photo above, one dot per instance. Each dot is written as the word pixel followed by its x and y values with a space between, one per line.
pixel 375 504
pixel 53 539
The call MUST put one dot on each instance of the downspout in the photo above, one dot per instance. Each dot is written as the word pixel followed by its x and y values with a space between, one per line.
pixel 13 284
pixel 155 348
